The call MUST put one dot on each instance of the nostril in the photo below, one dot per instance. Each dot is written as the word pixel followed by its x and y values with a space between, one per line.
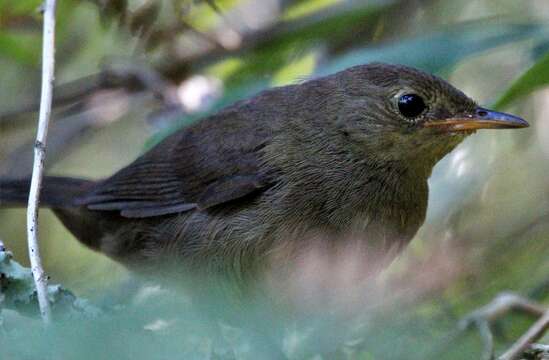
pixel 482 113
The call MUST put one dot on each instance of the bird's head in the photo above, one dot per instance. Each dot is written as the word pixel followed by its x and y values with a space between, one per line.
pixel 400 113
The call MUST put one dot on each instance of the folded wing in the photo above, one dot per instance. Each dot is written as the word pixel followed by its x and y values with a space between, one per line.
pixel 200 167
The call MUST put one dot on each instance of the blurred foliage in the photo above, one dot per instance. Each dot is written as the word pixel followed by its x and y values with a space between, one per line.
pixel 534 78
pixel 124 70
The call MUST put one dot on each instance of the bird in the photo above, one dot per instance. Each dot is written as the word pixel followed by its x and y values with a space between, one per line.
pixel 333 160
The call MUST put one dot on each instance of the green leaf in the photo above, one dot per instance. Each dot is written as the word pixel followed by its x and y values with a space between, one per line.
pixel 439 51
pixel 301 8
pixel 291 39
pixel 534 78
pixel 17 290
pixel 21 47
pixel 20 7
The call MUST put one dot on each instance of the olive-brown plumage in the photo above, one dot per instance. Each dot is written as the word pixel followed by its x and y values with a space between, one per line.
pixel 335 159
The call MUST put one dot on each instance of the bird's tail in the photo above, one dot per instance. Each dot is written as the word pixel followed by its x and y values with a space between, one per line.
pixel 56 192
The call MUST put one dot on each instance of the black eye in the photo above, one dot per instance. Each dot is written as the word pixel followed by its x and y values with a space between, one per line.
pixel 411 105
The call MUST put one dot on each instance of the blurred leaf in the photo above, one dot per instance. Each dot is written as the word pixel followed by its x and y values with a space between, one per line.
pixel 534 78
pixel 204 17
pixel 331 23
pixel 21 47
pixel 289 47
pixel 439 51
pixel 300 35
pixel 20 7
pixel 301 8
pixel 296 69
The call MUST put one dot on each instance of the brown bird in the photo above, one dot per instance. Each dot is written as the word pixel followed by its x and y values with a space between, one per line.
pixel 343 158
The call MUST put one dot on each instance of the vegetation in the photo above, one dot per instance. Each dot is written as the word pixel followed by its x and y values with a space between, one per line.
pixel 130 72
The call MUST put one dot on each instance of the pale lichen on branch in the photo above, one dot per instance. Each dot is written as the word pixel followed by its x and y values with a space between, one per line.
pixel 48 66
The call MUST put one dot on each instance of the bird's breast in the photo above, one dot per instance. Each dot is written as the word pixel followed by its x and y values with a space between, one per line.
pixel 378 213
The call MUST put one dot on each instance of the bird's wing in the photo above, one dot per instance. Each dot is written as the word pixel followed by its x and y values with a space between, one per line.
pixel 200 167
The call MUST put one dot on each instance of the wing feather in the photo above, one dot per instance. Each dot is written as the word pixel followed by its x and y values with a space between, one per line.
pixel 199 167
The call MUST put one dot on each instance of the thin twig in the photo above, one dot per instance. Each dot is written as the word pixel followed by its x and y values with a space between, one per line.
pixel 534 333
pixel 133 78
pixel 502 304
pixel 487 338
pixel 48 65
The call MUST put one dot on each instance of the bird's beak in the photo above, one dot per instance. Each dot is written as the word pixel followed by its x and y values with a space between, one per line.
pixel 480 119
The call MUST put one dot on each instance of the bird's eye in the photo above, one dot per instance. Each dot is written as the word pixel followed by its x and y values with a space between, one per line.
pixel 411 105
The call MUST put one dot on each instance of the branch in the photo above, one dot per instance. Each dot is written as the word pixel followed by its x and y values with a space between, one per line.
pixel 537 351
pixel 131 77
pixel 502 304
pixel 48 63
pixel 535 332
pixel 65 94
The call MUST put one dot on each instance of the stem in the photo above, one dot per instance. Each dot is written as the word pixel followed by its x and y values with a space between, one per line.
pixel 48 49
pixel 535 332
